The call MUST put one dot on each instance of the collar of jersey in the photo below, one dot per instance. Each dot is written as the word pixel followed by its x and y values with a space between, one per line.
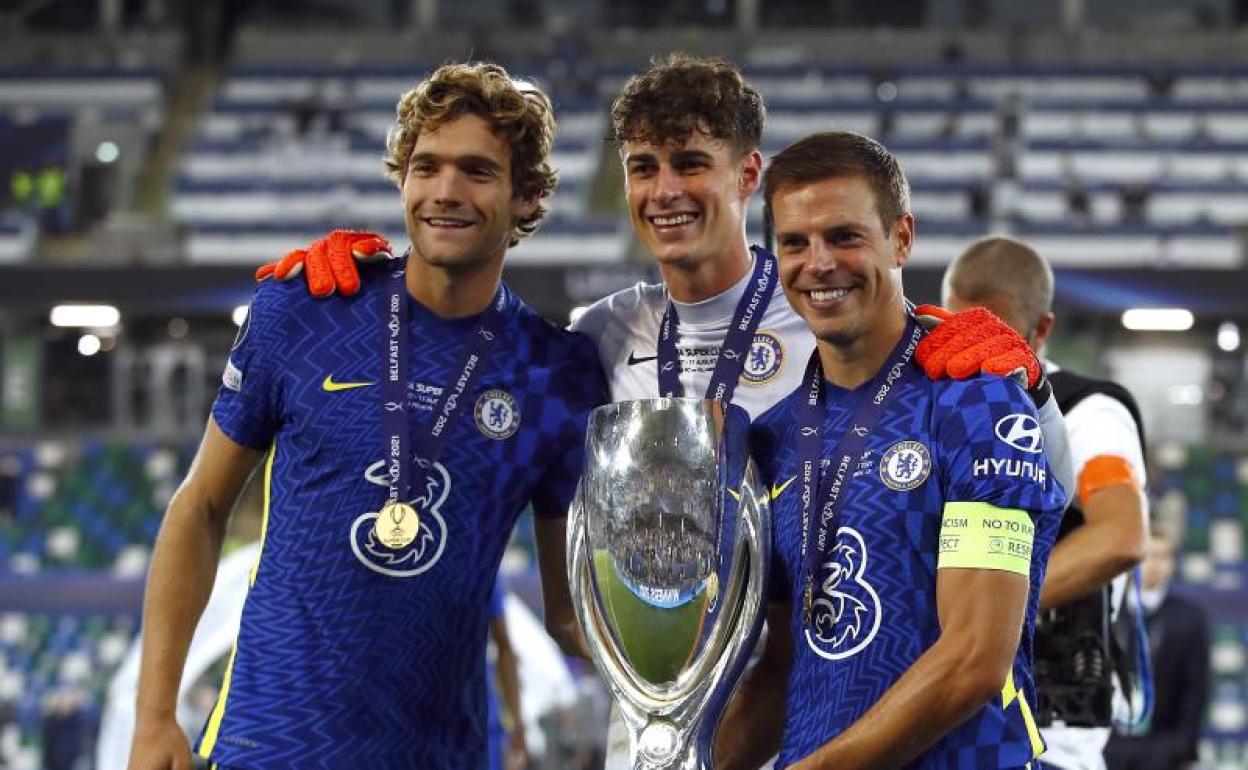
pixel 716 311
pixel 426 318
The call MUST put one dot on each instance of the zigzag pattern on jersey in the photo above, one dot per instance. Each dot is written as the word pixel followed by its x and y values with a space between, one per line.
pixel 901 531
pixel 839 692
pixel 337 661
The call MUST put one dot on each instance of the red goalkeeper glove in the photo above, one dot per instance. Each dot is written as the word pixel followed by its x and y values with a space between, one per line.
pixel 330 262
pixel 961 345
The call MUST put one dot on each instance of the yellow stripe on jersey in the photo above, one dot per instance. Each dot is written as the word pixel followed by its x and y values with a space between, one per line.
pixel 1009 694
pixel 218 711
pixel 983 536
pixel 264 519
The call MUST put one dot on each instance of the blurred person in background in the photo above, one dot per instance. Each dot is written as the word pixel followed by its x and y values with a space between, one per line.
pixel 508 748
pixel 1178 639
pixel 387 508
pixel 1105 529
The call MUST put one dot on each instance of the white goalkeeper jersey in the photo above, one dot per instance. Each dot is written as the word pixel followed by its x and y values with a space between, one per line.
pixel 625 327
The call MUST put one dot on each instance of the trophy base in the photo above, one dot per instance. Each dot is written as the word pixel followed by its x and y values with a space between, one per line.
pixel 657 746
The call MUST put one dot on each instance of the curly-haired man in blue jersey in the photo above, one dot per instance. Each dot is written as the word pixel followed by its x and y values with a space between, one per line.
pixel 398 458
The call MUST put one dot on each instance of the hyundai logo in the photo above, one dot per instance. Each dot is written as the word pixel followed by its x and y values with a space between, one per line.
pixel 1022 432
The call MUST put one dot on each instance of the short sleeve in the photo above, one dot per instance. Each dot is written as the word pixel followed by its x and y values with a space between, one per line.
pixel 1101 425
pixel 247 407
pixel 581 388
pixel 991 447
pixel 1057 449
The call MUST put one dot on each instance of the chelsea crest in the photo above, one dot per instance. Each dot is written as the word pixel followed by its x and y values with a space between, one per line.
pixel 497 414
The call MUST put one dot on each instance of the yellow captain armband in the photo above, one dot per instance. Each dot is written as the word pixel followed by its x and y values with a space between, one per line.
pixel 983 536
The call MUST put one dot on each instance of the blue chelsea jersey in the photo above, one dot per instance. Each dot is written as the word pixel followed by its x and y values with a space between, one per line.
pixel 875 591
pixel 351 654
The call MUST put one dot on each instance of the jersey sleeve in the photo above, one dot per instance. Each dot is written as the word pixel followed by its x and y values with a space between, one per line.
pixel 1101 425
pixel 247 407
pixel 582 387
pixel 763 448
pixel 992 448
pixel 1057 446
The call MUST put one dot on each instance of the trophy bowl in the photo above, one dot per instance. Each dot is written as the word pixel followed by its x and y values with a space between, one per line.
pixel 668 554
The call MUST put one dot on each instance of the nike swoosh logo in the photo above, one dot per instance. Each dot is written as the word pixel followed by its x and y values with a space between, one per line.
pixel 329 386
pixel 634 359
pixel 776 491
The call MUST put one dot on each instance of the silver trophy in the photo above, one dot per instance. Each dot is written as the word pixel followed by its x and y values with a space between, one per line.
pixel 669 549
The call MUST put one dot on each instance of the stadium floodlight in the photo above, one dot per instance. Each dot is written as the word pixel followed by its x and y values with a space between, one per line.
pixel 1186 395
pixel 88 344
pixel 107 152
pixel 85 316
pixel 1158 319
pixel 1228 336
pixel 240 314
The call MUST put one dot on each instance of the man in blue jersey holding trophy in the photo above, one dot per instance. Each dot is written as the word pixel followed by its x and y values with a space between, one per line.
pixel 398 459
pixel 916 516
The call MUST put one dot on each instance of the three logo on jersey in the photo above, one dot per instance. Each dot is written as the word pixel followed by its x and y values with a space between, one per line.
pixel 433 484
pixel 846 611
pixel 497 416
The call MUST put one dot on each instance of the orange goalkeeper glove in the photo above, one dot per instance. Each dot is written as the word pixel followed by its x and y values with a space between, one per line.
pixel 961 345
pixel 330 262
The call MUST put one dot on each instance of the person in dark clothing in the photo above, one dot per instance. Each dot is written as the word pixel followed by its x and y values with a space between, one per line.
pixel 1178 637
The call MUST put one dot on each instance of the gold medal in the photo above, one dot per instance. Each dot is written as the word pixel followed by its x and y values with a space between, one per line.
pixel 396 525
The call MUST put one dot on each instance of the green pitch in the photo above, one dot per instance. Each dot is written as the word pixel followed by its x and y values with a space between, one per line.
pixel 658 641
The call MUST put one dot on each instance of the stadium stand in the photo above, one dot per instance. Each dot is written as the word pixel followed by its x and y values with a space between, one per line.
pixel 1132 170
pixel 282 152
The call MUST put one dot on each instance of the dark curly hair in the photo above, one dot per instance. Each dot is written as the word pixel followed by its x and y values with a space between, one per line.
pixel 519 113
pixel 680 94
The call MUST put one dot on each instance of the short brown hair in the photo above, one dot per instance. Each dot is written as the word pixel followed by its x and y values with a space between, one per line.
pixel 680 94
pixel 520 114
pixel 834 154
pixel 997 266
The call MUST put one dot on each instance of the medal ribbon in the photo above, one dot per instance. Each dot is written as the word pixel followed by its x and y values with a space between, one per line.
pixel 827 494
pixel 745 320
pixel 395 428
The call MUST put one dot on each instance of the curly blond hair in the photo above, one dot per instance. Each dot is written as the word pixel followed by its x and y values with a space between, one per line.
pixel 519 113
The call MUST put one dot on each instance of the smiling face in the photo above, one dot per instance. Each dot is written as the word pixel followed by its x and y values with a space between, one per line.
pixel 687 200
pixel 458 201
pixel 839 265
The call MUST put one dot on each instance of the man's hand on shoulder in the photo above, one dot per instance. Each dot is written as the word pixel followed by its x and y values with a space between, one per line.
pixel 961 345
pixel 330 262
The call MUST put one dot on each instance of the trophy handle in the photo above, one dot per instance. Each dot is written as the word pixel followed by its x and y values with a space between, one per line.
pixel 731 664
